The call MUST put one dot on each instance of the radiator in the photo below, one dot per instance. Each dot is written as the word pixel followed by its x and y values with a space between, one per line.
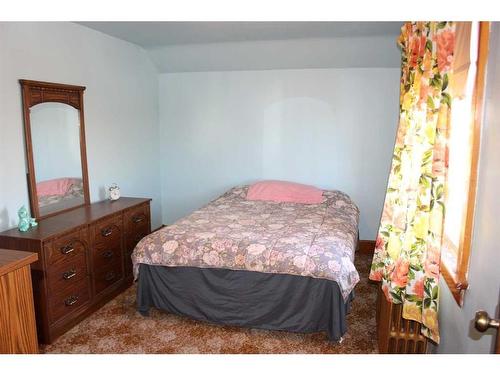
pixel 395 334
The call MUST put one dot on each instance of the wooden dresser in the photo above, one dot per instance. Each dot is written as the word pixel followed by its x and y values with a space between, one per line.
pixel 17 314
pixel 84 259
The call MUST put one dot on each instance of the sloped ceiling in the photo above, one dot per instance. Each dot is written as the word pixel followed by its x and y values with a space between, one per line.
pixel 218 46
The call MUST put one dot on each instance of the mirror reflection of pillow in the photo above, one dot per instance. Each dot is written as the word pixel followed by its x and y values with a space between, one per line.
pixel 56 186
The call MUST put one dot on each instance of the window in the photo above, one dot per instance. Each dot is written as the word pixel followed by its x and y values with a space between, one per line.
pixel 471 52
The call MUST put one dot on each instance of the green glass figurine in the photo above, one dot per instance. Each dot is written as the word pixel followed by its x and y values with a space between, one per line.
pixel 25 221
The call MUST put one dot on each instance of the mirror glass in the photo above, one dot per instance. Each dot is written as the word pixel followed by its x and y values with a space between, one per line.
pixel 55 138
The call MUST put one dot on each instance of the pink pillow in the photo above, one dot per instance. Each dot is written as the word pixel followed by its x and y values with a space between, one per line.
pixel 57 186
pixel 283 191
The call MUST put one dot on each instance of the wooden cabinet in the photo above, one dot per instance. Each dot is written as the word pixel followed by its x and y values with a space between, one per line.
pixel 107 253
pixel 17 314
pixel 136 222
pixel 83 259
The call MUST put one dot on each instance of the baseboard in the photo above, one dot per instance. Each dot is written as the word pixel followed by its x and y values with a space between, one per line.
pixel 366 246
pixel 161 226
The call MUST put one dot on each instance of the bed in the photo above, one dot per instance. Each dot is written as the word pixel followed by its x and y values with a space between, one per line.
pixel 261 264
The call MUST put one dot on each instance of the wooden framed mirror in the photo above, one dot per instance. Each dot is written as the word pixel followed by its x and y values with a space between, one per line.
pixel 55 147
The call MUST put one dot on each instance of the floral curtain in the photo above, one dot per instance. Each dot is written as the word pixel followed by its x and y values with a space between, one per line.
pixel 408 247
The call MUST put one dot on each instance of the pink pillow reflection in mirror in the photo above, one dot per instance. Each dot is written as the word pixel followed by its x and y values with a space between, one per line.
pixel 57 186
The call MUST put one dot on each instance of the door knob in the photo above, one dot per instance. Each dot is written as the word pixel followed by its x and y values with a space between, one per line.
pixel 483 321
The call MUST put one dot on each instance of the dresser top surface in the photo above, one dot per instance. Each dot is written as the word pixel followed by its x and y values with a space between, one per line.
pixel 11 260
pixel 54 225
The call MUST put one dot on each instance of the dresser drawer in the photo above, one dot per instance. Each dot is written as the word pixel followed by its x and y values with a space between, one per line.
pixel 130 243
pixel 133 238
pixel 64 302
pixel 137 222
pixel 67 247
pixel 68 273
pixel 108 232
pixel 104 255
pixel 137 218
pixel 108 276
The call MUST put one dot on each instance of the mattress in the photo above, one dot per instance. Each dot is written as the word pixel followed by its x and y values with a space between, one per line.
pixel 245 298
pixel 312 240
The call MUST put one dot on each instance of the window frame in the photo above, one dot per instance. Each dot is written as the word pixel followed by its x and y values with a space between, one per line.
pixel 457 280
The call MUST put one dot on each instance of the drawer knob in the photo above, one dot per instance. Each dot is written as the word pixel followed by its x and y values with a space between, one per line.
pixel 69 274
pixel 107 254
pixel 71 301
pixel 106 232
pixel 137 219
pixel 67 249
pixel 109 276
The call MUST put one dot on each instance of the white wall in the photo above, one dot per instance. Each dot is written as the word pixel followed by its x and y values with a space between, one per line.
pixel 456 324
pixel 333 128
pixel 342 52
pixel 330 127
pixel 121 108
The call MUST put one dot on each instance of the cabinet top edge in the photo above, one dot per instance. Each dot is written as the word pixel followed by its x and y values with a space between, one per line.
pixel 11 260
pixel 58 224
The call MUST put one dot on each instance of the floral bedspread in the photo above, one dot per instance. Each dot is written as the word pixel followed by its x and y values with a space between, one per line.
pixel 316 240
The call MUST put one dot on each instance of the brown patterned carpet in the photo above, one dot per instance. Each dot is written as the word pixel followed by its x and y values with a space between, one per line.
pixel 118 328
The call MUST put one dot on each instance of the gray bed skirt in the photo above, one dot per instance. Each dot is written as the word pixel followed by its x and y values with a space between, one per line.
pixel 245 298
